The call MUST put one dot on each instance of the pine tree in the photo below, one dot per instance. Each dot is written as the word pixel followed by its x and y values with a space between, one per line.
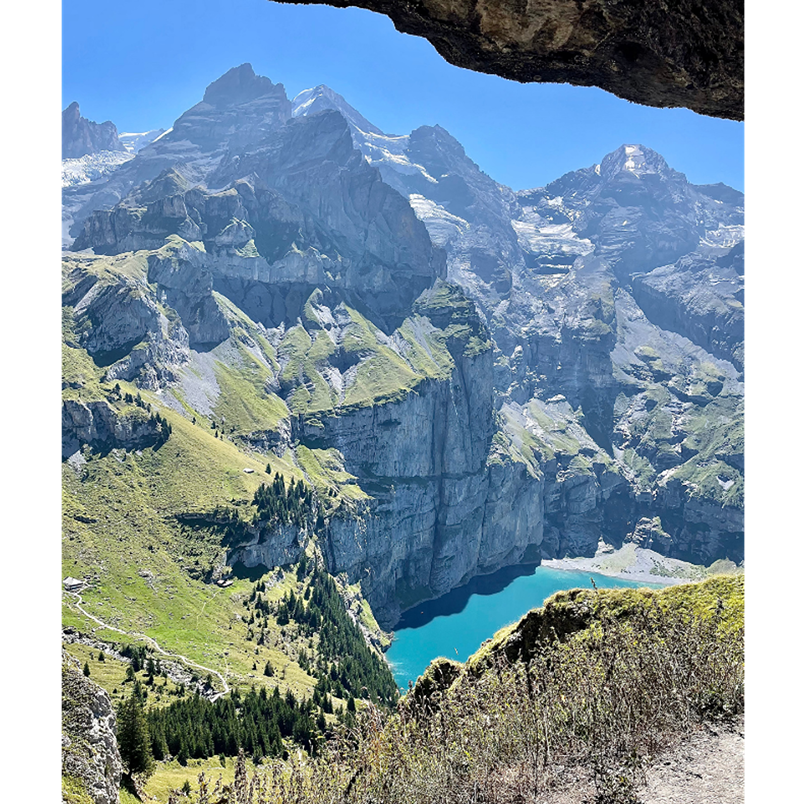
pixel 133 737
pixel 86 669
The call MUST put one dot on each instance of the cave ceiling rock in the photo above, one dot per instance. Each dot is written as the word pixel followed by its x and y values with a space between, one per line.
pixel 684 53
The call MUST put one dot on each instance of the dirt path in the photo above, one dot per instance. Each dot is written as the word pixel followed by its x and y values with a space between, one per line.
pixel 706 768
pixel 79 605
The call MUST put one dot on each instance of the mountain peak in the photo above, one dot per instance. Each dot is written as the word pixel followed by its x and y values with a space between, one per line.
pixel 238 85
pixel 310 101
pixel 80 136
pixel 636 159
pixel 436 139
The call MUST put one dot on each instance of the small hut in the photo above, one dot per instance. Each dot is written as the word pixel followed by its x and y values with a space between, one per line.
pixel 72 584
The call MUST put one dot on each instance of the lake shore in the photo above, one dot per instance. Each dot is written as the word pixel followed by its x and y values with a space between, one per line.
pixel 632 563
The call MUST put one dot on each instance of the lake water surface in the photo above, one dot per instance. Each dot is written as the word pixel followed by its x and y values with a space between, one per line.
pixel 456 624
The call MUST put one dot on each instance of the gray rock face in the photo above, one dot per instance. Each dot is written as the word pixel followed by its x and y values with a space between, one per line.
pixel 237 109
pixel 183 276
pixel 275 548
pixel 100 426
pixel 464 210
pixel 89 749
pixel 442 506
pixel 80 136
pixel 639 212
pixel 701 529
pixel 701 298
pixel 311 213
pixel 122 323
pixel 546 268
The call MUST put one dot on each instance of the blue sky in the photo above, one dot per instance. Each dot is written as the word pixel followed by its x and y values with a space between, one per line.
pixel 142 64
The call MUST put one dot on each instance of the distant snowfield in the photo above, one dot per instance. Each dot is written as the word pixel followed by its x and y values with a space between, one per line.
pixel 537 235
pixel 91 167
pixel 136 141
pixel 379 149
pixel 95 166
pixel 724 237
pixel 441 224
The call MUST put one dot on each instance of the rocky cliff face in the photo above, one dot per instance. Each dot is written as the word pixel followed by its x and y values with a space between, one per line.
pixel 99 426
pixel 578 373
pixel 80 136
pixel 310 213
pixel 89 754
pixel 121 321
pixel 576 284
pixel 700 297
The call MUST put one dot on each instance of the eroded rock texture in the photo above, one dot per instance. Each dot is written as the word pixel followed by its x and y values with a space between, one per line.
pixel 90 758
pixel 81 136
pixel 687 53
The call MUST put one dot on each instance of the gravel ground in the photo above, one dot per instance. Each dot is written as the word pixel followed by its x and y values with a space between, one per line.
pixel 706 768
pixel 633 563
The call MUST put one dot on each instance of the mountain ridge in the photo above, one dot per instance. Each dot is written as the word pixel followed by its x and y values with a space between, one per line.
pixel 506 375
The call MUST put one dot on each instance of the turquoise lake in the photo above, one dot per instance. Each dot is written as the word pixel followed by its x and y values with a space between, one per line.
pixel 455 625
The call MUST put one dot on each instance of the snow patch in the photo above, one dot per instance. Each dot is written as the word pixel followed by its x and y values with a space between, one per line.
pixel 136 141
pixel 724 237
pixel 164 134
pixel 635 159
pixel 91 167
pixel 537 236
pixel 441 224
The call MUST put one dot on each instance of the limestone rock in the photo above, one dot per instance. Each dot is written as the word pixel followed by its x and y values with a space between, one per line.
pixel 89 747
pixel 311 212
pixel 700 297
pixel 197 140
pixel 276 547
pixel 122 322
pixel 80 137
pixel 100 426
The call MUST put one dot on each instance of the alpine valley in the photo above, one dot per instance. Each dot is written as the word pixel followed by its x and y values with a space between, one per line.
pixel 308 362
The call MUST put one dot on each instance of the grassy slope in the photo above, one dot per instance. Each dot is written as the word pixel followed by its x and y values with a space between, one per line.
pixel 132 498
pixel 119 509
pixel 713 426
pixel 148 569
pixel 111 675
pixel 576 607
pixel 379 370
